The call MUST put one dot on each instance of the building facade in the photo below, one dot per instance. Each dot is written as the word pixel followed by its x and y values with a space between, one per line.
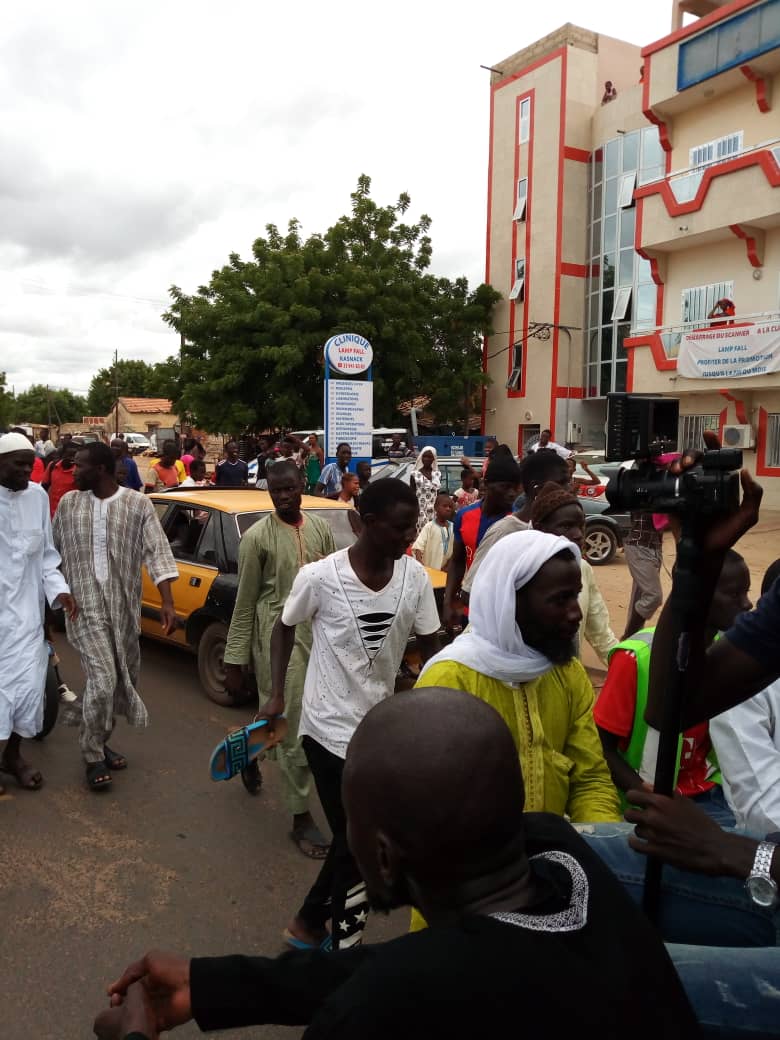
pixel 619 215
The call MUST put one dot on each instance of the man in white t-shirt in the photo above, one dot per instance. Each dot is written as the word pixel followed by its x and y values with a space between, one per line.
pixel 364 603
pixel 546 441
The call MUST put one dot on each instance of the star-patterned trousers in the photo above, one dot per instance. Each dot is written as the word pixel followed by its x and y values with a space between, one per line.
pixel 338 894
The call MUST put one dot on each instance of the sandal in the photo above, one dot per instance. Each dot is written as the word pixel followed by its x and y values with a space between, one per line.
pixel 310 842
pixel 98 776
pixel 114 760
pixel 243 745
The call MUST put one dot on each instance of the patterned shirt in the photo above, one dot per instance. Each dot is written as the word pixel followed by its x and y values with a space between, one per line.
pixel 643 532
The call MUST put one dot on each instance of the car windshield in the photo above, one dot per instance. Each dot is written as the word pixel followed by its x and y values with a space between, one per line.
pixel 339 520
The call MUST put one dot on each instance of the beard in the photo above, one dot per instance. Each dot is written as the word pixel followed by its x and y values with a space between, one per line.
pixel 557 649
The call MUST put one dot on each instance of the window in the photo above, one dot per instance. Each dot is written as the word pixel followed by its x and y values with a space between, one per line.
pixel 717 150
pixel 525 120
pixel 729 43
pixel 184 528
pixel 699 301
pixel 522 199
pixel 516 375
pixel 518 287
pixel 626 190
pixel 622 300
pixel 526 435
pixel 692 427
pixel 773 440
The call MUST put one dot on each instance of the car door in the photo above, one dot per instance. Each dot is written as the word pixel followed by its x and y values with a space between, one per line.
pixel 192 533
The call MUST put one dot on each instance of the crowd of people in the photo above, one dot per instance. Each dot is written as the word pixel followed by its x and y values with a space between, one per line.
pixel 463 798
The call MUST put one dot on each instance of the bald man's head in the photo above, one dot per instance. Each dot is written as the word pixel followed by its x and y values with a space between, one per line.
pixel 433 793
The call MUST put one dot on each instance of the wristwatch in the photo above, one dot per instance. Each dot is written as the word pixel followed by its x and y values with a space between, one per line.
pixel 759 884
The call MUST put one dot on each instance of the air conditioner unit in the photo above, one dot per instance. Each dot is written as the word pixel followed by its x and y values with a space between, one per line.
pixel 738 436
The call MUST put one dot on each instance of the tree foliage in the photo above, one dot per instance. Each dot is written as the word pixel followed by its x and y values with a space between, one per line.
pixel 133 379
pixel 6 404
pixel 40 404
pixel 254 335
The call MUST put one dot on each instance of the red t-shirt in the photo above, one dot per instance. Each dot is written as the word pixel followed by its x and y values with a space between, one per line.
pixel 614 712
pixel 38 471
pixel 61 481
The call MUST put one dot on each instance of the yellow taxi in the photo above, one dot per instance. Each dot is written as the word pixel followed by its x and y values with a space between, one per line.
pixel 204 527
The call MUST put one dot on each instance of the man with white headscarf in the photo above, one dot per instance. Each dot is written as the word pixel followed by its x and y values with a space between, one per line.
pixel 29 575
pixel 518 655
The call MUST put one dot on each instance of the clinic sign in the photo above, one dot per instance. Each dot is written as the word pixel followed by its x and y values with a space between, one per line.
pixel 730 352
pixel 349 395
pixel 349 353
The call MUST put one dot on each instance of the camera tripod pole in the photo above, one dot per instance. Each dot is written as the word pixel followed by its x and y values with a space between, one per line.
pixel 682 601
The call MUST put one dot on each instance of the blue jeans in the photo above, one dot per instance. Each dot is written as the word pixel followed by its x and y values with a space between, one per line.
pixel 695 909
pixel 714 803
pixel 734 993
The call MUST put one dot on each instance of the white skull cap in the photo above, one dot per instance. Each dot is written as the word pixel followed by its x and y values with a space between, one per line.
pixel 14 442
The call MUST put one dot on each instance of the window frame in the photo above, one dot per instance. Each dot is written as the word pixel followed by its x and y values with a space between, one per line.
pixel 713 146
pixel 698 423
pixel 626 187
pixel 517 292
pixel 622 295
pixel 522 200
pixel 710 294
pixel 524 121
pixel 772 450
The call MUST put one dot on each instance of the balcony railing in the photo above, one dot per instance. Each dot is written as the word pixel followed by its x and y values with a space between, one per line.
pixel 685 183
pixel 670 335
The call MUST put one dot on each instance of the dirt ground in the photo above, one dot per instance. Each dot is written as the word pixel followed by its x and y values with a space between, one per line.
pixel 760 547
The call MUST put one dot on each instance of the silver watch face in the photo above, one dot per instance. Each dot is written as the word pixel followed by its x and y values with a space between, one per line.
pixel 763 891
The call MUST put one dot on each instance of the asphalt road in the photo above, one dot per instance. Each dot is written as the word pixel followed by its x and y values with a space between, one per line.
pixel 166 858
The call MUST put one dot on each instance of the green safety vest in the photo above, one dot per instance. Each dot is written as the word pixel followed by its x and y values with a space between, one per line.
pixel 639 645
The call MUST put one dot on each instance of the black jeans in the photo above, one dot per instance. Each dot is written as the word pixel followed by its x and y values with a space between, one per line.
pixel 339 892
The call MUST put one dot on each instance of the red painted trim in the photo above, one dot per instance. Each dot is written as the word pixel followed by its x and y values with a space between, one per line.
pixel 651 117
pixel 576 154
pixel 763 158
pixel 739 407
pixel 653 341
pixel 575 270
pixel 499 84
pixel 701 23
pixel 558 242
pixel 722 419
pixel 762 101
pixel 527 251
pixel 486 339
pixel 571 392
pixel 762 470
pixel 750 244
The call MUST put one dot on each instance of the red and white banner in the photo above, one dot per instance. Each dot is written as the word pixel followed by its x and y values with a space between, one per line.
pixel 730 352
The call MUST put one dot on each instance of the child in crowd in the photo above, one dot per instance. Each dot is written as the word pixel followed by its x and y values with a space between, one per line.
pixel 467 493
pixel 434 544
pixel 350 489
pixel 197 477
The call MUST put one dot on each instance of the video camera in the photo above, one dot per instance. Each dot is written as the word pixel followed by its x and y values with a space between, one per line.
pixel 643 428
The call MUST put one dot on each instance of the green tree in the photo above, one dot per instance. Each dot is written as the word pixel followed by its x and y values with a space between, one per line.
pixel 254 335
pixel 134 378
pixel 6 404
pixel 40 403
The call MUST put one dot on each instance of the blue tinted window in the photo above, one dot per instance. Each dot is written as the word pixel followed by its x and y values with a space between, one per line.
pixel 729 44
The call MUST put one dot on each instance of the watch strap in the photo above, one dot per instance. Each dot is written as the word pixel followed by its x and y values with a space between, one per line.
pixel 762 863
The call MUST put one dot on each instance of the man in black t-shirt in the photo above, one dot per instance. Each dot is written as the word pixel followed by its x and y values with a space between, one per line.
pixel 231 471
pixel 529 933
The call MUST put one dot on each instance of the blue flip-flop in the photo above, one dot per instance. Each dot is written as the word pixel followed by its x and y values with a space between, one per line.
pixel 326 946
pixel 238 749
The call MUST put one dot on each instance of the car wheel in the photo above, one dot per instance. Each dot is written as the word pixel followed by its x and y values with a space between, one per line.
pixel 211 664
pixel 600 544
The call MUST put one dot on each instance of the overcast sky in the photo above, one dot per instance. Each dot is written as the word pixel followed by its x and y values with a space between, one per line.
pixel 142 142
